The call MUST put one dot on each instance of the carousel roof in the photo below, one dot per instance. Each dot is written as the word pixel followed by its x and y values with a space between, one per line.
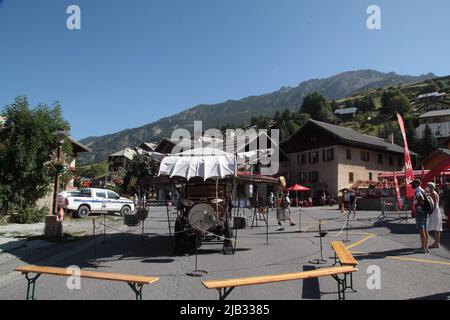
pixel 203 163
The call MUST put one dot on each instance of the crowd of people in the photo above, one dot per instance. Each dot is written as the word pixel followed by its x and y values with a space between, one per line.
pixel 426 206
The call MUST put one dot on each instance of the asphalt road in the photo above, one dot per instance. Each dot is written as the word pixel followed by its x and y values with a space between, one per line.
pixel 385 245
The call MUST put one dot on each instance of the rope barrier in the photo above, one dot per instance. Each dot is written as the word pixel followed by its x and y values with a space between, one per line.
pixel 343 227
pixel 222 237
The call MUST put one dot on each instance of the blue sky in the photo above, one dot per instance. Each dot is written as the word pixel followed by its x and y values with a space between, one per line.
pixel 136 61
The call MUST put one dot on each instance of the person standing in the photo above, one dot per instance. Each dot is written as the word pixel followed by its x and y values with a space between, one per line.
pixel 272 201
pixel 435 219
pixel 287 209
pixel 352 203
pixel 421 215
pixel 323 199
pixel 346 198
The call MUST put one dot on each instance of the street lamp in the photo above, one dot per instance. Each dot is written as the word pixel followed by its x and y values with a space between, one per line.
pixel 60 136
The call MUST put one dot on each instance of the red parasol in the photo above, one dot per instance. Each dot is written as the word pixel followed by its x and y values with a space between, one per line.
pixel 296 188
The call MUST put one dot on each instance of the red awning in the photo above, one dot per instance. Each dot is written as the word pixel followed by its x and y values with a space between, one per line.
pixel 401 174
pixel 297 187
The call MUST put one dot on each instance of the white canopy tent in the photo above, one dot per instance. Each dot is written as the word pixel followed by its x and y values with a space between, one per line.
pixel 204 163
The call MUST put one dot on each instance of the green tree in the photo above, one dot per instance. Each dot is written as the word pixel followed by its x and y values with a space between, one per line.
pixel 400 104
pixel 96 170
pixel 441 84
pixel 393 102
pixel 28 150
pixel 430 87
pixel 136 172
pixel 387 96
pixel 366 105
pixel 317 107
pixel 260 122
pixel 302 119
pixel 427 143
pixel 334 106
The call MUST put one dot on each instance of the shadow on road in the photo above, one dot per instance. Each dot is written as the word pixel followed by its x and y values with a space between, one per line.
pixel 437 296
pixel 384 254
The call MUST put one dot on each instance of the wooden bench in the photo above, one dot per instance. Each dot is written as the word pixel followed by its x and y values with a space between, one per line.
pixel 224 287
pixel 344 257
pixel 135 282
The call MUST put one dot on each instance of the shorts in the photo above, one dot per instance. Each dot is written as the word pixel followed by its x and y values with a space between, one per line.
pixel 421 220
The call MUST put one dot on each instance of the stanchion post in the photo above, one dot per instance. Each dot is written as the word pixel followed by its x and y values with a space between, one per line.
pixel 93 238
pixel 322 234
pixel 300 220
pixel 104 228
pixel 168 219
pixel 196 272
pixel 143 238
pixel 346 227
pixel 406 209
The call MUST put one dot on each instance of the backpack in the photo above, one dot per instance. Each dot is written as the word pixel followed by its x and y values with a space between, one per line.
pixel 428 203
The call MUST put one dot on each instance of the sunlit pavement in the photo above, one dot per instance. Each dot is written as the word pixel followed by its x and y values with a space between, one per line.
pixel 384 245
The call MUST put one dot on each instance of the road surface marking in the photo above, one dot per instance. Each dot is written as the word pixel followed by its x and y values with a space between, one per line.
pixel 370 235
pixel 440 262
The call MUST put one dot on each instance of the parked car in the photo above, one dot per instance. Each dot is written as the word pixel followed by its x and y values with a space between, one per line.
pixel 92 200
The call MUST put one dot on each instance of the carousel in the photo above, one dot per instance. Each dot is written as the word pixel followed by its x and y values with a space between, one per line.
pixel 204 184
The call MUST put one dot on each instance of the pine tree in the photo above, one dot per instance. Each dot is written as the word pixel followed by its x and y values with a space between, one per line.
pixel 428 143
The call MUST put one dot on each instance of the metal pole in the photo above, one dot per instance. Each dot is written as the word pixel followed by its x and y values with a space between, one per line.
pixel 196 253
pixel 143 237
pixel 320 236
pixel 238 213
pixel 267 227
pixel 93 238
pixel 168 218
pixel 347 224
pixel 257 204
pixel 56 186
pixel 300 221
pixel 104 228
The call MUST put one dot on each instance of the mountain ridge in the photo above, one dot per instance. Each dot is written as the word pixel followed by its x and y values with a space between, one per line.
pixel 241 110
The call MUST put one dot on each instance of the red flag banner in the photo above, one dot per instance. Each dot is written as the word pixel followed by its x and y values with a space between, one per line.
pixel 397 191
pixel 409 173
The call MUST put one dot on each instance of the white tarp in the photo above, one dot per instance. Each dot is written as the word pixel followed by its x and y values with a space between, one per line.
pixel 204 163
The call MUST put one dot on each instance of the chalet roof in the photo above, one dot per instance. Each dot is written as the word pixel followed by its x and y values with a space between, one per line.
pixel 127 153
pixel 348 136
pixel 166 145
pixel 345 111
pixel 431 94
pixel 432 103
pixel 443 151
pixel 78 147
pixel 435 113
pixel 148 146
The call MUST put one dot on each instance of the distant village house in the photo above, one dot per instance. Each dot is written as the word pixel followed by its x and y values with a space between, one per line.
pixel 438 121
pixel 118 161
pixel 346 114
